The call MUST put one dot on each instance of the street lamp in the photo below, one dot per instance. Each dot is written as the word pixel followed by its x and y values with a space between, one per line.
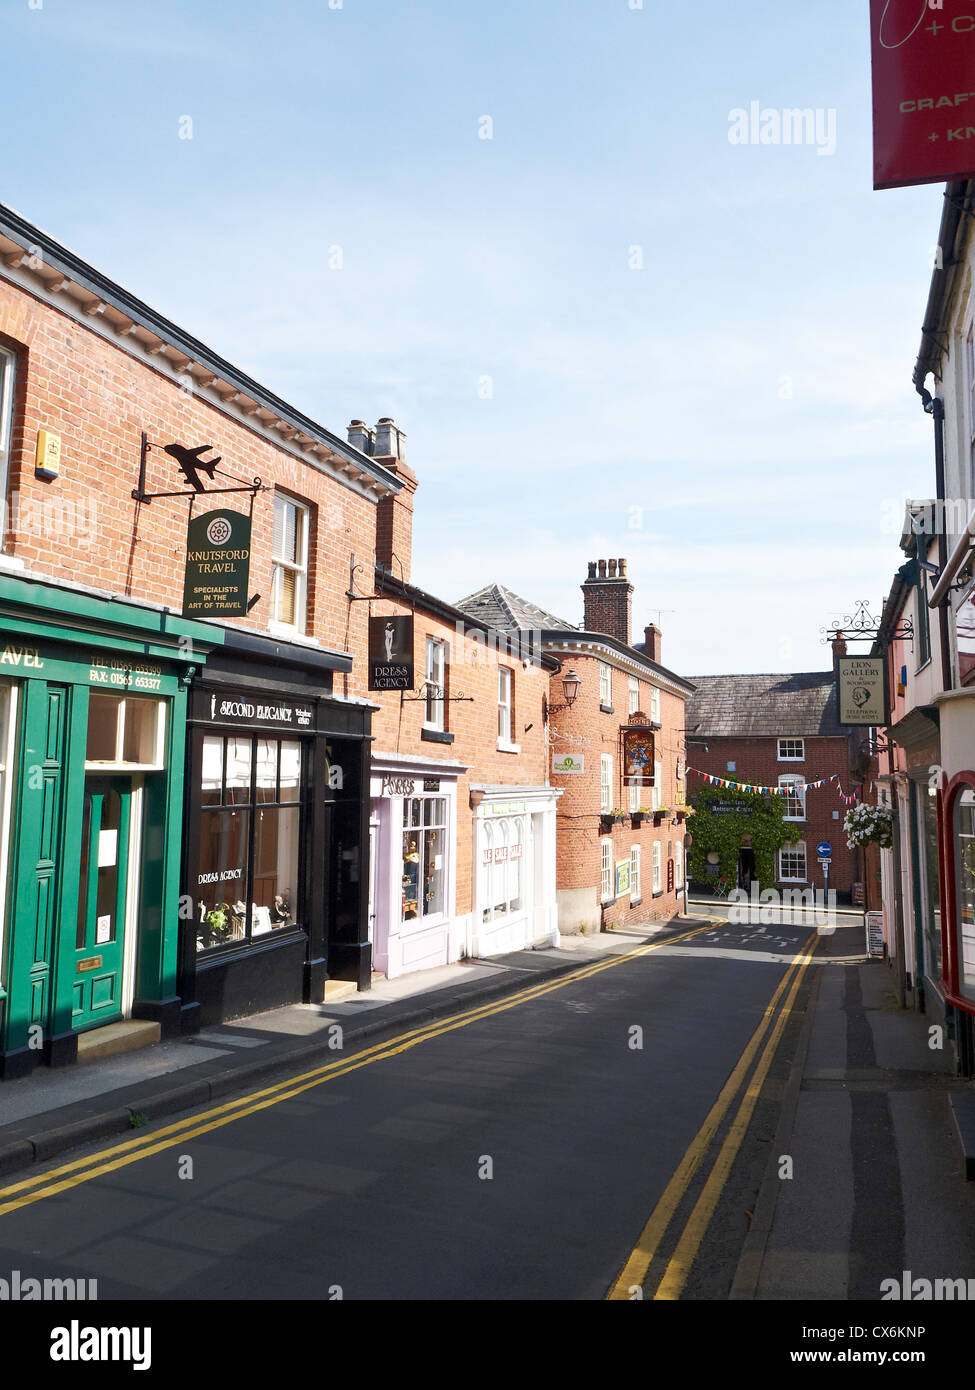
pixel 570 688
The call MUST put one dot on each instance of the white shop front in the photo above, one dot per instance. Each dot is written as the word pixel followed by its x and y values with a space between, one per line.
pixel 515 904
pixel 413 923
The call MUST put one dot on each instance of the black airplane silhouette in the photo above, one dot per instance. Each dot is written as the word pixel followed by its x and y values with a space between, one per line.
pixel 190 462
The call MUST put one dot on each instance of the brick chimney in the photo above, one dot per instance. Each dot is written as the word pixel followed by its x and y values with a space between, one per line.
pixel 394 515
pixel 608 598
pixel 651 642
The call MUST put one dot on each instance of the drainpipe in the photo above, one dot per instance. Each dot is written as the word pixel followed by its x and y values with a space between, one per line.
pixel 936 407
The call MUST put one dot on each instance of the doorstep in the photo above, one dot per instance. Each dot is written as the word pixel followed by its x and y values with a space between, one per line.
pixel 115 1038
pixel 338 989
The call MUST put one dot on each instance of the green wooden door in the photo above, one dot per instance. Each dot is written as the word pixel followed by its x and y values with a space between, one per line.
pixel 100 943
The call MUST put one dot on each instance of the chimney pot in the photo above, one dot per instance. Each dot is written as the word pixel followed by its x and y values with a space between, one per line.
pixel 360 436
pixel 390 442
pixel 622 568
pixel 602 569
pixel 592 569
pixel 612 569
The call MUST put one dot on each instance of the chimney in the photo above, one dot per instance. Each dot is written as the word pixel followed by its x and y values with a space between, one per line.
pixel 360 437
pixel 839 645
pixel 394 515
pixel 608 599
pixel 651 642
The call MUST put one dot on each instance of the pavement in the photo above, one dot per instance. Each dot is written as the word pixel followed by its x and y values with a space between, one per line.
pixel 53 1111
pixel 878 1175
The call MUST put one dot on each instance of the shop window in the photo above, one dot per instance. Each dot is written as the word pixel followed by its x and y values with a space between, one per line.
pixel 605 684
pixel 635 873
pixel 792 863
pixel 424 857
pixel 791 750
pixel 250 839
pixel 8 707
pixel 6 426
pixel 634 695
pixel 793 797
pixel 606 877
pixel 289 563
pixel 654 705
pixel 502 869
pixel 434 713
pixel 606 782
pixel 963 825
pixel 124 732
pixel 678 865
pixel 931 897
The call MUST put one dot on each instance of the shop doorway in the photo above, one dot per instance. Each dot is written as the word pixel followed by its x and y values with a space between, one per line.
pixel 103 902
pixel 746 869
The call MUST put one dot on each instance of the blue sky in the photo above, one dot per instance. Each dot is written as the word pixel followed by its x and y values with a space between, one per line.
pixel 736 418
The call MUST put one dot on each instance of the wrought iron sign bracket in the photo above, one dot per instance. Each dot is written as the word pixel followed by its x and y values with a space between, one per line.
pixel 862 626
pixel 353 597
pixel 192 465
pixel 446 699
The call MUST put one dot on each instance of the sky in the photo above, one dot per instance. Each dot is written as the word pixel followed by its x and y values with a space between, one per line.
pixel 521 228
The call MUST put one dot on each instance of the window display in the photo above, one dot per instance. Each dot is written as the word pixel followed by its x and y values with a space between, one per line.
pixel 424 857
pixel 502 867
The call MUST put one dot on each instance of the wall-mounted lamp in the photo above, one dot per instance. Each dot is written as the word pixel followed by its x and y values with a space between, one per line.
pixel 570 688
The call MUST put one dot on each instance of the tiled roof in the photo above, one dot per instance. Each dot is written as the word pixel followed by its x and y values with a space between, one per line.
pixel 803 704
pixel 497 607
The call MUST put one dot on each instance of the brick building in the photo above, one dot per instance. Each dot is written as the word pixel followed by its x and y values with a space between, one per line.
pixel 780 731
pixel 616 744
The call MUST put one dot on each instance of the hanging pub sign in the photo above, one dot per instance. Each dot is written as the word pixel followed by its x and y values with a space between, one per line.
pixel 862 690
pixel 391 653
pixel 638 757
pixel 923 107
pixel 218 550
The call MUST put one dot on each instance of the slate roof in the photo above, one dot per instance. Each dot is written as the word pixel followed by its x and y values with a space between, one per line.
pixel 803 704
pixel 497 607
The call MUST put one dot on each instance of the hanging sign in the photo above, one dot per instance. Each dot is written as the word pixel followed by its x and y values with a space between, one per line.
pixel 391 653
pixel 218 552
pixel 862 690
pixel 923 106
pixel 638 757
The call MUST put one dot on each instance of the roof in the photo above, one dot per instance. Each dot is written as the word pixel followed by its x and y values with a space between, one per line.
pixel 803 704
pixel 498 607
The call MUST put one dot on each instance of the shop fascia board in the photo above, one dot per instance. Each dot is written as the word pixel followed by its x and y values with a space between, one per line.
pixel 40 266
pixel 103 622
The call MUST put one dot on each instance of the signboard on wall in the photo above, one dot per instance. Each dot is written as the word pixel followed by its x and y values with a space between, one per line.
pixel 638 757
pixel 622 877
pixel 568 762
pixel 862 690
pixel 391 653
pixel 874 924
pixel 923 57
pixel 218 556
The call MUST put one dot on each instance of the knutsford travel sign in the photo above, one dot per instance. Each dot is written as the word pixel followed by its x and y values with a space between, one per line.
pixel 923 58
pixel 218 551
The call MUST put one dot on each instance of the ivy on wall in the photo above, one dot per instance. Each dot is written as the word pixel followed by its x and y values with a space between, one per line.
pixel 752 814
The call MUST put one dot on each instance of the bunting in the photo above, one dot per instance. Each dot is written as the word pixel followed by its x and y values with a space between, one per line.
pixel 715 781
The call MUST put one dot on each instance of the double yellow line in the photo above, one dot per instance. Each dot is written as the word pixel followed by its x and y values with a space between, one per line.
pixel 678 1268
pixel 68 1175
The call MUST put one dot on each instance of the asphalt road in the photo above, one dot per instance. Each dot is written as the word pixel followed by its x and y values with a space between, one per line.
pixel 517 1156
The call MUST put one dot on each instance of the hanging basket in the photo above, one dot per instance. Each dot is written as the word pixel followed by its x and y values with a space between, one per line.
pixel 869 825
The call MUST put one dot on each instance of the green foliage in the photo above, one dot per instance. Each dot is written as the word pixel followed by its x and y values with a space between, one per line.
pixel 761 817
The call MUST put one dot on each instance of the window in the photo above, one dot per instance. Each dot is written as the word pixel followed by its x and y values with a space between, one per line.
pixel 424 857
pixel 249 846
pixel 656 803
pixel 792 863
pixel 8 711
pixel 678 865
pixel 657 867
pixel 607 883
pixel 731 767
pixel 654 705
pixel 434 676
pixel 124 731
pixel 506 681
pixel 606 782
pixel 791 750
pixel 635 791
pixel 634 695
pixel 6 423
pixel 922 625
pixel 635 893
pixel 793 796
pixel 605 684
pixel 289 563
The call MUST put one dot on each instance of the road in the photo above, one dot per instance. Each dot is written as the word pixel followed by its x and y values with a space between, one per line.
pixel 545 1146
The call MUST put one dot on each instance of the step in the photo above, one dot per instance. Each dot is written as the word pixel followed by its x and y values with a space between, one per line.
pixel 338 989
pixel 115 1038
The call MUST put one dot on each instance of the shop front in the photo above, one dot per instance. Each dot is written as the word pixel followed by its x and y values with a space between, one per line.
pixel 515 903
pixel 92 738
pixel 276 826
pixel 414 830
pixel 918 733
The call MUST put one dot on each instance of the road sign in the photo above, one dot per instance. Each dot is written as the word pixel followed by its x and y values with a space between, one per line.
pixel 824 849
pixel 824 859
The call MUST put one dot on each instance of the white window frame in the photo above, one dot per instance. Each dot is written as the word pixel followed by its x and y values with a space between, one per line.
pixel 657 800
pixel 607 872
pixel 605 781
pixel 799 757
pixel 678 865
pixel 788 780
pixel 118 764
pixel 636 891
pixel 605 684
pixel 658 878
pixel 635 792
pixel 654 705
pixel 298 567
pixel 506 698
pixel 633 695
pixel 434 677
pixel 794 849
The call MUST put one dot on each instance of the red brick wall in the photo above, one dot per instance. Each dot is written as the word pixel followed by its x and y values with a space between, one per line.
pixel 756 761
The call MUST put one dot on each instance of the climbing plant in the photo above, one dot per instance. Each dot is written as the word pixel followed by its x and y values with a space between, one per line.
pixel 752 814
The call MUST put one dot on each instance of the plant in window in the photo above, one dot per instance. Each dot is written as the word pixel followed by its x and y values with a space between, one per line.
pixel 869 825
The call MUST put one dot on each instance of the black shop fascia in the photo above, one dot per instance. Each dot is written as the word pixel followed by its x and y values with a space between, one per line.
pixel 275 848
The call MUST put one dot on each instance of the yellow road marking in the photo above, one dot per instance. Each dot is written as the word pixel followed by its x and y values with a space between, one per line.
pixel 679 1265
pixel 635 1270
pixel 132 1150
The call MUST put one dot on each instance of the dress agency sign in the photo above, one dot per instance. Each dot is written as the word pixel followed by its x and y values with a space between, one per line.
pixel 391 653
pixel 218 553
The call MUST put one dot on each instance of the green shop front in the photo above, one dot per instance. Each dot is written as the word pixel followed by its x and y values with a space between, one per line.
pixel 93 704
